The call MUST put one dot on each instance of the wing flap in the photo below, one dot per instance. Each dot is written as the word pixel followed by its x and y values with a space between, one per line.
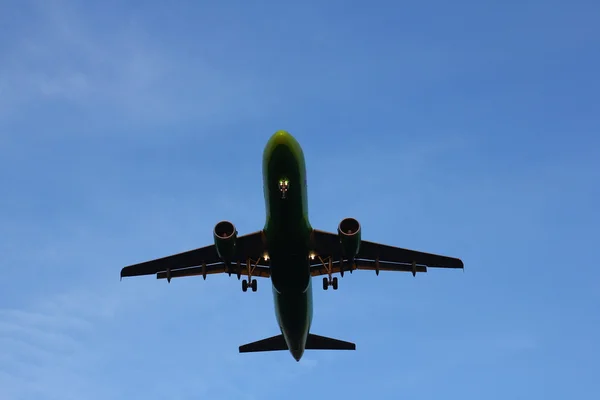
pixel 368 265
pixel 258 271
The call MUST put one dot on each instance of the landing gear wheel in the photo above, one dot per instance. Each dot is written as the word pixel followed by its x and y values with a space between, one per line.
pixel 334 283
pixel 254 285
pixel 244 285
pixel 325 283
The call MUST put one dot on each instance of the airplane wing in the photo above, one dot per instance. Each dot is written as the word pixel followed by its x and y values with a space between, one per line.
pixel 205 260
pixel 373 256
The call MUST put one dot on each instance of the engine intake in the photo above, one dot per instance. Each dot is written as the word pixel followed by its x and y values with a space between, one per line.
pixel 349 234
pixel 225 236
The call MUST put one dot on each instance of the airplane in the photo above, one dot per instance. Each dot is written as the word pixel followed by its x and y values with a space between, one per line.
pixel 289 251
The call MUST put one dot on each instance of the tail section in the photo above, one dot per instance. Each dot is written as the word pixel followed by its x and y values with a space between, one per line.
pixel 313 342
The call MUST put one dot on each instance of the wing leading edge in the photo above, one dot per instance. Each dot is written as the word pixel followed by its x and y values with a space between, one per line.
pixel 205 261
pixel 374 257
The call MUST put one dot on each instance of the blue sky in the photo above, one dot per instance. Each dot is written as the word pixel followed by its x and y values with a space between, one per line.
pixel 128 129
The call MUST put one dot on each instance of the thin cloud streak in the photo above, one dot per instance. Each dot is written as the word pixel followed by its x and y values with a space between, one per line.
pixel 47 351
pixel 66 59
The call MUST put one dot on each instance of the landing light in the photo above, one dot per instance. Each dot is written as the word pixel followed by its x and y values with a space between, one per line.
pixel 266 256
pixel 284 185
pixel 312 256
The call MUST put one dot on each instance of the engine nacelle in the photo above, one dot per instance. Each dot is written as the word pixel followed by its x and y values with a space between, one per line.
pixel 349 234
pixel 225 236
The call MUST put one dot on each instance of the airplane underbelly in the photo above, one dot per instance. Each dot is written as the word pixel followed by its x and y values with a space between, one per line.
pixel 290 275
pixel 294 316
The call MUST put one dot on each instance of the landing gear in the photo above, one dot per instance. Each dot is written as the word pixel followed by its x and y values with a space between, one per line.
pixel 329 280
pixel 253 285
pixel 333 283
pixel 249 283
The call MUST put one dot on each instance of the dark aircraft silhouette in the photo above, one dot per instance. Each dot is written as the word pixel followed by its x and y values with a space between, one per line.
pixel 289 251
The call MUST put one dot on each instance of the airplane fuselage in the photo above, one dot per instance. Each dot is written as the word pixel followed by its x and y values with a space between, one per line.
pixel 287 230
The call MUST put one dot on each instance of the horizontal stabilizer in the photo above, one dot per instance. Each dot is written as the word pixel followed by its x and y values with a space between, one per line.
pixel 313 342
pixel 316 342
pixel 270 344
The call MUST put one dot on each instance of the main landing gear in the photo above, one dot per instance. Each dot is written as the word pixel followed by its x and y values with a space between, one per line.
pixel 329 280
pixel 250 283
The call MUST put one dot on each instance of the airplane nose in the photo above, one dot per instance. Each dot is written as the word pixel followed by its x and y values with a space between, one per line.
pixel 282 137
pixel 281 148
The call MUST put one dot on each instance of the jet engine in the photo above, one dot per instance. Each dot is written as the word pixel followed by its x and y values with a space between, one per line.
pixel 225 236
pixel 349 234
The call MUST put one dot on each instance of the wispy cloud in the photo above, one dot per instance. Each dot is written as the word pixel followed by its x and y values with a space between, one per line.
pixel 66 56
pixel 46 347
